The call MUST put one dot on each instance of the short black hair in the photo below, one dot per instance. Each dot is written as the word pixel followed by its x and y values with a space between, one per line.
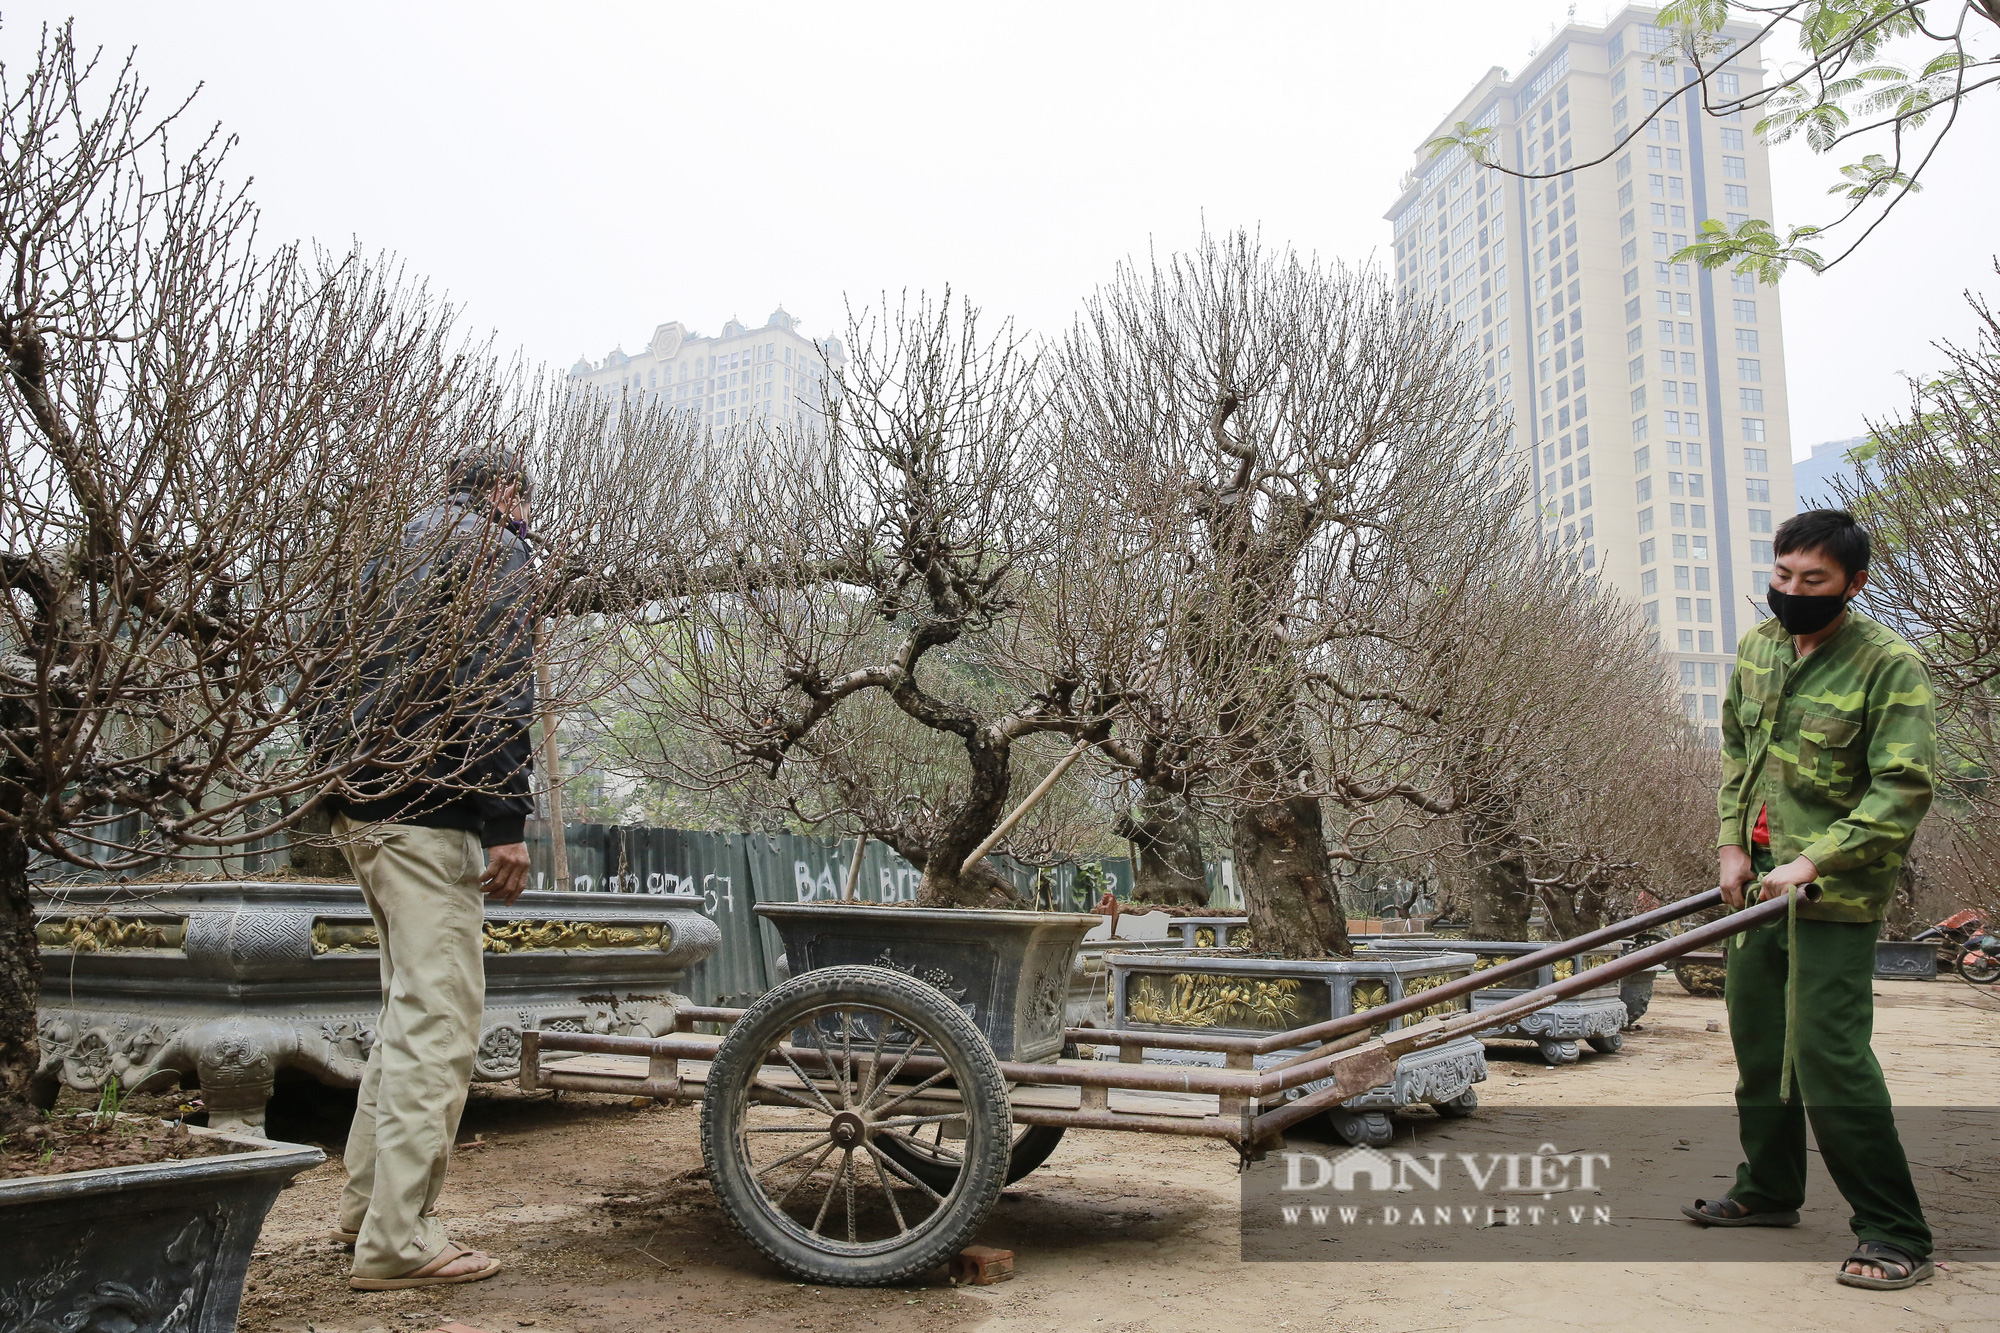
pixel 1833 531
pixel 481 473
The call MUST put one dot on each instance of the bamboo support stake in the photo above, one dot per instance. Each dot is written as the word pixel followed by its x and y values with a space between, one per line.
pixel 1007 824
pixel 552 767
pixel 854 870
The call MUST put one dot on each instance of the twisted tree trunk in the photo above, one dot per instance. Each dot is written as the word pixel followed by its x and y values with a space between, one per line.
pixel 1169 867
pixel 1286 874
pixel 20 985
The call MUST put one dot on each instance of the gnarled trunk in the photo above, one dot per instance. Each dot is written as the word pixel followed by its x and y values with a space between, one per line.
pixel 1287 879
pixel 1169 868
pixel 20 984
pixel 1502 897
pixel 945 883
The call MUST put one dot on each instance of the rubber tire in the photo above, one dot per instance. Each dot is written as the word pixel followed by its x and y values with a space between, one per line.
pixel 1559 1052
pixel 1460 1106
pixel 1608 1045
pixel 1032 1147
pixel 1976 974
pixel 947 1030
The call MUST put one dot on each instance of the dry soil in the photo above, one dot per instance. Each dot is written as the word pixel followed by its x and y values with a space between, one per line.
pixel 600 1213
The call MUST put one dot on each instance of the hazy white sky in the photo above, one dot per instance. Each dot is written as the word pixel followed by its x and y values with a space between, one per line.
pixel 576 174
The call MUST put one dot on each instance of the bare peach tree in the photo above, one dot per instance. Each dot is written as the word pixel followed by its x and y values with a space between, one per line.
pixel 1927 486
pixel 1298 439
pixel 890 616
pixel 1576 779
pixel 214 458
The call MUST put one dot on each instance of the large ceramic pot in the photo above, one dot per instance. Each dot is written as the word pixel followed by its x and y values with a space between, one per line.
pixel 156 1247
pixel 1010 971
pixel 1236 992
pixel 222 984
pixel 1559 1030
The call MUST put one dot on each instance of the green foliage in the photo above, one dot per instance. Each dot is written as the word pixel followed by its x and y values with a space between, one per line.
pixel 1849 85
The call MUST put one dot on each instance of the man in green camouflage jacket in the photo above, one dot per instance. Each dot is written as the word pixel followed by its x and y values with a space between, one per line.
pixel 1829 742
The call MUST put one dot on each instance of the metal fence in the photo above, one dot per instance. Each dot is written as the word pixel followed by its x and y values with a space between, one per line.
pixel 730 872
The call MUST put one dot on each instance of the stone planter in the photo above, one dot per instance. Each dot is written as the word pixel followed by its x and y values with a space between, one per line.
pixel 223 984
pixel 1237 992
pixel 1010 971
pixel 1903 960
pixel 1597 1017
pixel 155 1247
pixel 1211 932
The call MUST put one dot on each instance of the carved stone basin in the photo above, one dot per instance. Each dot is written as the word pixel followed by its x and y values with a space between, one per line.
pixel 222 984
pixel 1559 1030
pixel 1010 971
pixel 1237 992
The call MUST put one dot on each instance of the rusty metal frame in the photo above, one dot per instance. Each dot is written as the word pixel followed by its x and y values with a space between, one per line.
pixel 1342 1049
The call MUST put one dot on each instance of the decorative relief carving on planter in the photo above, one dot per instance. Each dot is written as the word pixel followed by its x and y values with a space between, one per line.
pixel 1206 1000
pixel 252 991
pixel 163 1295
pixel 89 933
pixel 334 936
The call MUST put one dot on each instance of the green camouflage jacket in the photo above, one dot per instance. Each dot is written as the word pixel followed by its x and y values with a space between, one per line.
pixel 1841 748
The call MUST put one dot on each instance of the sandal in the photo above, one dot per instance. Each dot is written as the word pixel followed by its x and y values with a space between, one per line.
pixel 1890 1259
pixel 1729 1213
pixel 428 1275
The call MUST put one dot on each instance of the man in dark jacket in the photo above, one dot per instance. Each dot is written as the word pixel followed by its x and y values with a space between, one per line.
pixel 441 705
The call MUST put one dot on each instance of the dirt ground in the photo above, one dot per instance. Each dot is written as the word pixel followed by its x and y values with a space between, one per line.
pixel 600 1214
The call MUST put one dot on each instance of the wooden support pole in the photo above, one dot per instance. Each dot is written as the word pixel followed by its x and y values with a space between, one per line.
pixel 551 766
pixel 1007 824
pixel 854 870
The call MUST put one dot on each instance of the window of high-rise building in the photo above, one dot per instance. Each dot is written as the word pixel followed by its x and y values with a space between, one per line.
pixel 1756 460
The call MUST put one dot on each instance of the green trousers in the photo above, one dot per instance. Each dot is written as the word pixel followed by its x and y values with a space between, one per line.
pixel 1836 1081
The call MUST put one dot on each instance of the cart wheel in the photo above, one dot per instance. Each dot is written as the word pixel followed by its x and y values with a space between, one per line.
pixel 805 1094
pixel 1460 1106
pixel 933 1158
pixel 1560 1052
pixel 1608 1045
pixel 1361 1128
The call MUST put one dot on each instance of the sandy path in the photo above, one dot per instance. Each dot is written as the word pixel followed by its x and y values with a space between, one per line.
pixel 591 1203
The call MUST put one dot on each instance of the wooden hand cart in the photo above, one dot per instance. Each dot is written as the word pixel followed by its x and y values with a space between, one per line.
pixel 858 1127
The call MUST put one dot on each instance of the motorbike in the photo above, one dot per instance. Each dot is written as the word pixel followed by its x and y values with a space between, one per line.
pixel 1966 947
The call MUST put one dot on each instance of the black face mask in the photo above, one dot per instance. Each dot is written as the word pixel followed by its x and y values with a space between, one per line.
pixel 1801 614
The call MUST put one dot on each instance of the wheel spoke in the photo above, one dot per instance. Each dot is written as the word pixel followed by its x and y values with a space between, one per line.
pixel 904 1121
pixel 885 1160
pixel 786 1129
pixel 811 1086
pixel 762 1171
pixel 847 1169
pixel 847 1055
pixel 889 1193
pixel 759 1085
pixel 807 1175
pixel 875 1059
pixel 931 1149
pixel 883 1082
pixel 919 1088
pixel 840 1079
pixel 846 1160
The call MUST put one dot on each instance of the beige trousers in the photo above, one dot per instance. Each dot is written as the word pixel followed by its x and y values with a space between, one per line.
pixel 422 888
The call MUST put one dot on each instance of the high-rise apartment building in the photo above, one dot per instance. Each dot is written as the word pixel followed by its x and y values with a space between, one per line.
pixel 774 375
pixel 1647 396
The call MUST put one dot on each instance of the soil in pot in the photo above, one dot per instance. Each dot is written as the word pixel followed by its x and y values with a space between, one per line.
pixel 60 1145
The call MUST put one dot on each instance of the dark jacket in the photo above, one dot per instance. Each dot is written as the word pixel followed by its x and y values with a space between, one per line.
pixel 447 730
